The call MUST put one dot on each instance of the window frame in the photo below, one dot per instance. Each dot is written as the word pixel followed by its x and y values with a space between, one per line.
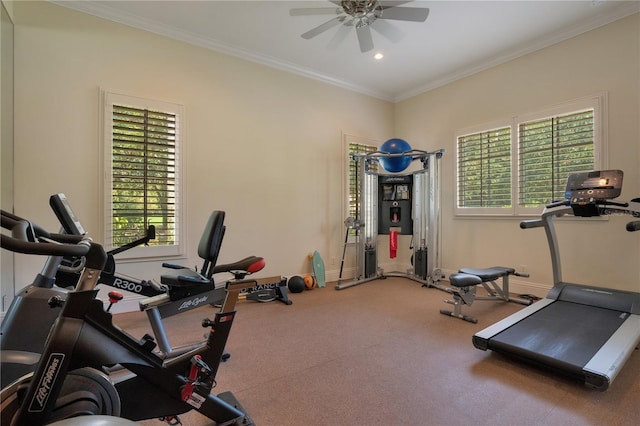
pixel 598 102
pixel 108 99
pixel 480 211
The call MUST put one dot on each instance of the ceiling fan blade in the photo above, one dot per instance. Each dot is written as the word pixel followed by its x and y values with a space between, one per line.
pixel 364 38
pixel 315 11
pixel 340 36
pixel 392 3
pixel 387 30
pixel 322 27
pixel 415 14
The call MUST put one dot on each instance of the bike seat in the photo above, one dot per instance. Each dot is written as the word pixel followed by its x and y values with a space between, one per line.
pixel 186 278
pixel 241 268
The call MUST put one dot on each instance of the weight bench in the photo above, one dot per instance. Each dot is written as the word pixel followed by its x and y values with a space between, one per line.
pixel 465 282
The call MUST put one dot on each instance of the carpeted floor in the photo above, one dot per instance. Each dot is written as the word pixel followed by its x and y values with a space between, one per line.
pixel 382 354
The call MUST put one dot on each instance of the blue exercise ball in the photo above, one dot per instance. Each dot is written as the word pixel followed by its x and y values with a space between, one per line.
pixel 395 164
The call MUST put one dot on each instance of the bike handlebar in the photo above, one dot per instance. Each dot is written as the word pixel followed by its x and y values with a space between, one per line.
pixel 28 238
pixel 9 220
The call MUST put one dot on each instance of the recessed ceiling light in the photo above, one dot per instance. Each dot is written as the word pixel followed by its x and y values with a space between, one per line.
pixel 378 56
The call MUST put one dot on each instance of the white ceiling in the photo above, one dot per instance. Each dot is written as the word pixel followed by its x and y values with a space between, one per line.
pixel 458 39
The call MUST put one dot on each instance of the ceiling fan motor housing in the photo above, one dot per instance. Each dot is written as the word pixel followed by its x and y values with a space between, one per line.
pixel 365 12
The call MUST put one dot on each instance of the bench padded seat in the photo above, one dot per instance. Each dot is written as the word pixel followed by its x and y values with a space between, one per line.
pixel 488 274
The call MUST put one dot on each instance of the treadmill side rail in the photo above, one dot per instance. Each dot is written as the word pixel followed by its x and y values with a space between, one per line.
pixel 481 338
pixel 604 366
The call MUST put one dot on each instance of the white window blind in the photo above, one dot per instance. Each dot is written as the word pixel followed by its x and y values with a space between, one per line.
pixel 484 169
pixel 143 174
pixel 355 145
pixel 517 167
pixel 550 150
pixel 354 184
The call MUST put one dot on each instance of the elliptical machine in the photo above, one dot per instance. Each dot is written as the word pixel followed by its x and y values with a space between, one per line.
pixel 69 379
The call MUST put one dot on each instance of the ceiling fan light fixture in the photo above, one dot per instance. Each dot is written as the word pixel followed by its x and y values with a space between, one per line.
pixel 364 12
pixel 360 14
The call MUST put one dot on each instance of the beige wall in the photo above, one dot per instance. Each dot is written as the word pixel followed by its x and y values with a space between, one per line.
pixel 262 144
pixel 603 60
pixel 265 145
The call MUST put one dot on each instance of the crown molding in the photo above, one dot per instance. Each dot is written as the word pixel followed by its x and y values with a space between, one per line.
pixel 103 11
pixel 625 9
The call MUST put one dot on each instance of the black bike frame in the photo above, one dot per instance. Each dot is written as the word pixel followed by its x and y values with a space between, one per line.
pixel 84 336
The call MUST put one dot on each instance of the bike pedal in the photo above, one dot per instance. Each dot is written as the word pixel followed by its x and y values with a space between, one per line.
pixel 171 420
pixel 148 342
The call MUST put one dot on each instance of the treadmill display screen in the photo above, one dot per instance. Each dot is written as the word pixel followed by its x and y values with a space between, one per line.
pixel 591 186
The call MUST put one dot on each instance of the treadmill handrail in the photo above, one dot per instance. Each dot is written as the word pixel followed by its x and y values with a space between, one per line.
pixel 559 209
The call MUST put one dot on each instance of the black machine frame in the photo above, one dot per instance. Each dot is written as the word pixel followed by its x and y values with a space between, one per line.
pixel 84 339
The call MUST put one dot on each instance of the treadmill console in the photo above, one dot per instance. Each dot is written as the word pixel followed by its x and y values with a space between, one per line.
pixel 584 190
pixel 589 187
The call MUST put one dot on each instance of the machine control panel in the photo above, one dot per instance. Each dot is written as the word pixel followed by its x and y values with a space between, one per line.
pixel 589 187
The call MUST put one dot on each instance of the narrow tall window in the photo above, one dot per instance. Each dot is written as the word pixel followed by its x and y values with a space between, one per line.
pixel 143 183
pixel 355 146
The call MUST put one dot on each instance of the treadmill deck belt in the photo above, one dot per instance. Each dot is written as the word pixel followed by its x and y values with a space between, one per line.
pixel 562 334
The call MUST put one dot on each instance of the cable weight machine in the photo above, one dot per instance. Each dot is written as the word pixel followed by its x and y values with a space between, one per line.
pixel 398 204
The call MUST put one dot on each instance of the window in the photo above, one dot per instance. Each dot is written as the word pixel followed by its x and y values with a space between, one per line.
pixel 550 149
pixel 484 169
pixel 355 145
pixel 142 162
pixel 516 167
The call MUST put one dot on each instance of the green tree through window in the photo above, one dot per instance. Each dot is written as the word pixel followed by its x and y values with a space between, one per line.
pixel 518 165
pixel 484 169
pixel 550 150
pixel 142 142
pixel 143 174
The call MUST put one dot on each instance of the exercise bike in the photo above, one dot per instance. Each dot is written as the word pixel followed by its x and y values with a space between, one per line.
pixel 23 334
pixel 266 290
pixel 70 380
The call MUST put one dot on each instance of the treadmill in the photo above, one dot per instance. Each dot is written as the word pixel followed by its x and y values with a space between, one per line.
pixel 580 331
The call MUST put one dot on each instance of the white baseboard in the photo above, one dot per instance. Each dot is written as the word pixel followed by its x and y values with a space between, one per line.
pixel 131 302
pixel 516 285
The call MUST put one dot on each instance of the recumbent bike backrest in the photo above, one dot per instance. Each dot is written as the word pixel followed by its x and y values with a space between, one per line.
pixel 211 242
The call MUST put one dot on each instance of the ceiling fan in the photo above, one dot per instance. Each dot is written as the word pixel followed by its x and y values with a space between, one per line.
pixel 361 14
